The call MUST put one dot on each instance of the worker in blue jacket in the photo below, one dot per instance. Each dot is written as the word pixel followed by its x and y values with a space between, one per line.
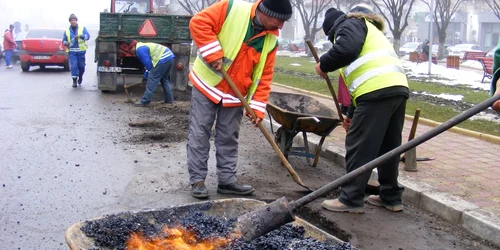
pixel 157 60
pixel 75 39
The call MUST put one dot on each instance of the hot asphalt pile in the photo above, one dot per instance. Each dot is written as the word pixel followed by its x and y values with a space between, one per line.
pixel 114 230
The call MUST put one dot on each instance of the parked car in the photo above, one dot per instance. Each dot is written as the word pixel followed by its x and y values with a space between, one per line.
pixel 283 44
pixel 323 45
pixel 409 47
pixel 459 49
pixel 298 45
pixel 19 37
pixel 43 47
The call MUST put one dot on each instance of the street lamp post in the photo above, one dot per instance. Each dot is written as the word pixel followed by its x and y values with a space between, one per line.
pixel 429 56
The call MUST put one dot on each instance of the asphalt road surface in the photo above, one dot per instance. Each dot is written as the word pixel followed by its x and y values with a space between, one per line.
pixel 74 154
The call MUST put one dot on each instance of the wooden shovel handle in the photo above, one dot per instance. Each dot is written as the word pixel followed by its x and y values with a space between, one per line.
pixel 292 172
pixel 328 82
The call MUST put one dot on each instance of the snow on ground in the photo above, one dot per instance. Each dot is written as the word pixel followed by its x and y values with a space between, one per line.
pixel 447 76
pixel 442 95
pixel 469 75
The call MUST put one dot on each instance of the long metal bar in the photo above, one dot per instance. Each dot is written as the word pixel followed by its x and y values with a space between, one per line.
pixel 395 152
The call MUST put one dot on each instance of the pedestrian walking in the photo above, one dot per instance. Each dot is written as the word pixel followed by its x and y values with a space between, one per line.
pixel 75 39
pixel 157 60
pixel 9 45
pixel 495 81
pixel 241 38
pixel 378 86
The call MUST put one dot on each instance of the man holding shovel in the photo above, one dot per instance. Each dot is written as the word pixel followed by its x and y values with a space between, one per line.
pixel 378 86
pixel 157 60
pixel 241 38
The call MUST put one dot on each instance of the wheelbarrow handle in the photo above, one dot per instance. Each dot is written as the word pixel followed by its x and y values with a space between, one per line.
pixel 292 172
pixel 328 82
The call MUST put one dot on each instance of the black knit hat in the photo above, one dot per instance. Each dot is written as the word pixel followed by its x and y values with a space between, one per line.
pixel 72 16
pixel 331 15
pixel 281 9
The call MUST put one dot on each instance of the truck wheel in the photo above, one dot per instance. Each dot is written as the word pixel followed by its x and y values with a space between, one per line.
pixel 25 66
pixel 66 66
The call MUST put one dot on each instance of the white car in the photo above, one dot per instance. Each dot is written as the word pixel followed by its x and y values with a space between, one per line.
pixel 459 49
pixel 323 45
pixel 409 47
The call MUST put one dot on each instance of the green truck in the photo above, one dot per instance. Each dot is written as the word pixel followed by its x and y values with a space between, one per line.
pixel 136 20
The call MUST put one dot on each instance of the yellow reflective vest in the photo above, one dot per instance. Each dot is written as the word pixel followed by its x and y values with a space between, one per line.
pixel 376 67
pixel 82 45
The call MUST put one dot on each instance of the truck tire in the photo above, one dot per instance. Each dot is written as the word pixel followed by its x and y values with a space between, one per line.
pixel 25 66
pixel 66 66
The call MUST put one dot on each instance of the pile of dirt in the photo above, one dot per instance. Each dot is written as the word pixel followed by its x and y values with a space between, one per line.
pixel 162 122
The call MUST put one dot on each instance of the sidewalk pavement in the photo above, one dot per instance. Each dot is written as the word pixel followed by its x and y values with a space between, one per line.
pixel 461 184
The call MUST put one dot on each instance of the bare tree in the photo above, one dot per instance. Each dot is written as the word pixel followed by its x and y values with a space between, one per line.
pixel 442 14
pixel 494 6
pixel 195 6
pixel 309 11
pixel 396 13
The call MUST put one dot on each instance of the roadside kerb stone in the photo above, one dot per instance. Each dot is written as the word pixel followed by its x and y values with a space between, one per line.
pixel 477 221
pixel 482 223
pixel 446 206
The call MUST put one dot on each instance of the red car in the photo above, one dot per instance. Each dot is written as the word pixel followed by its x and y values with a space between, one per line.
pixel 43 47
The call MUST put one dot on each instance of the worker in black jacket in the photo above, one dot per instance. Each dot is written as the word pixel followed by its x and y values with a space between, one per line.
pixel 379 90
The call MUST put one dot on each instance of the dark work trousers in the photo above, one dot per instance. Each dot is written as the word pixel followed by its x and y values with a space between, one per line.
pixel 160 73
pixel 227 128
pixel 375 130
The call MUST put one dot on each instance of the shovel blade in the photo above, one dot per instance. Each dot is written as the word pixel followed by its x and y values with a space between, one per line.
pixel 411 160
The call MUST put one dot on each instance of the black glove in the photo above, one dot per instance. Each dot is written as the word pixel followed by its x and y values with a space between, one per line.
pixel 144 80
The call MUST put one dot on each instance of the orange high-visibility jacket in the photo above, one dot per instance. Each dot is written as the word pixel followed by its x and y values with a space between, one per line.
pixel 204 28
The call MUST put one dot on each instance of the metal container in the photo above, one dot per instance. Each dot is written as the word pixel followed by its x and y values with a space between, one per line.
pixel 228 208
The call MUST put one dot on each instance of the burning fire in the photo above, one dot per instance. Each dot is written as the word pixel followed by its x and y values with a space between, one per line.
pixel 178 239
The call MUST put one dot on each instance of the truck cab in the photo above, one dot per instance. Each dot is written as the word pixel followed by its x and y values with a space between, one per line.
pixel 132 7
pixel 136 20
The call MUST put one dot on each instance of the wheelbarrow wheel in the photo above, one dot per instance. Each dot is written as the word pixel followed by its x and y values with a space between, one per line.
pixel 282 138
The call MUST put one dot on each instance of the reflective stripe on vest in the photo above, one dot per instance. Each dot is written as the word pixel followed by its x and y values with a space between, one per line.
pixel 377 66
pixel 231 38
pixel 156 52
pixel 82 45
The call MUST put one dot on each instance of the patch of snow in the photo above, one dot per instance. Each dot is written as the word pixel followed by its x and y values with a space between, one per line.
pixel 447 76
pixel 443 95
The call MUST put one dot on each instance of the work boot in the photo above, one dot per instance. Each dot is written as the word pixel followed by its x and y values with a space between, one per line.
pixel 199 190
pixel 74 82
pixel 140 104
pixel 80 79
pixel 376 201
pixel 235 188
pixel 337 206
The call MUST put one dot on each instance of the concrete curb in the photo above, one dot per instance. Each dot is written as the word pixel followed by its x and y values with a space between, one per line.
pixel 475 220
pixel 477 135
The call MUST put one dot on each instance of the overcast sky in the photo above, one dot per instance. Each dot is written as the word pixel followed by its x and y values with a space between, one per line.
pixel 50 13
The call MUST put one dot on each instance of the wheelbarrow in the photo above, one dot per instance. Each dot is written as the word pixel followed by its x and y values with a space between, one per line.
pixel 112 230
pixel 300 113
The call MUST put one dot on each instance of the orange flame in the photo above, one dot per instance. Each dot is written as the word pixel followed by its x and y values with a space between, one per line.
pixel 178 239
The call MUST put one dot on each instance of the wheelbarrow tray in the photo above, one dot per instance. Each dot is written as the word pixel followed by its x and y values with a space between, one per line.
pixel 227 208
pixel 286 108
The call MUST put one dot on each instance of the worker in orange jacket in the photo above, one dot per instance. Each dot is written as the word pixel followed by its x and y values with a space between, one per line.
pixel 241 38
